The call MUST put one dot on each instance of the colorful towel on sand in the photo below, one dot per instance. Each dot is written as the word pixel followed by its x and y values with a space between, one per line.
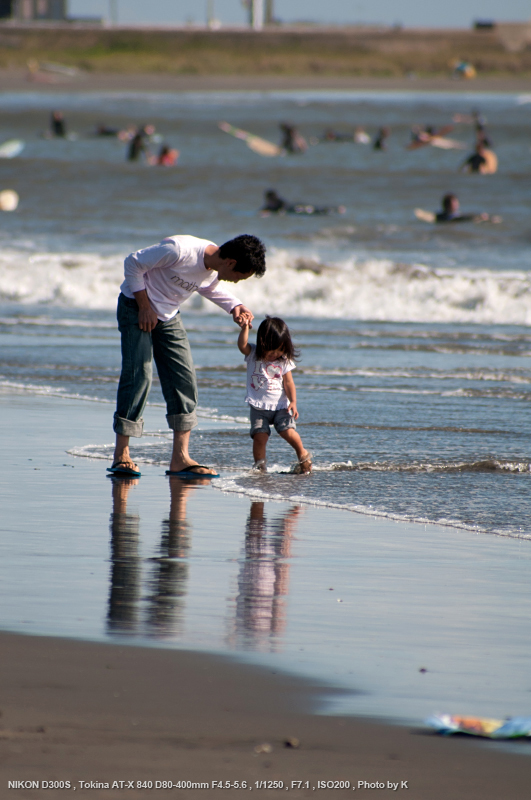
pixel 479 726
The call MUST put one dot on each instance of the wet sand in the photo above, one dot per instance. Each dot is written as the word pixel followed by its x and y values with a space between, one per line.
pixel 16 80
pixel 91 711
pixel 77 711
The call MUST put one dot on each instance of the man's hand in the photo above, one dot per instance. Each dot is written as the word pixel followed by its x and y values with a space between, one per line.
pixel 147 317
pixel 242 316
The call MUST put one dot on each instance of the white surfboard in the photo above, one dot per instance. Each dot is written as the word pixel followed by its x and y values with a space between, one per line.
pixel 11 148
pixel 447 144
pixel 424 216
pixel 261 146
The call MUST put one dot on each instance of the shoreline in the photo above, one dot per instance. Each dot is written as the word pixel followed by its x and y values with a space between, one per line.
pixel 79 711
pixel 19 80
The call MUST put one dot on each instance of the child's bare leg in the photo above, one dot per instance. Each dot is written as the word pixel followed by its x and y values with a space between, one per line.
pixel 292 437
pixel 259 448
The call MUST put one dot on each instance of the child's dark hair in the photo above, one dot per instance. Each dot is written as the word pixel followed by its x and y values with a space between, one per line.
pixel 273 334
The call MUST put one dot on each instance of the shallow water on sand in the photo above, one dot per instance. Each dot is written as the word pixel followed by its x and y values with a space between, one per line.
pixel 413 422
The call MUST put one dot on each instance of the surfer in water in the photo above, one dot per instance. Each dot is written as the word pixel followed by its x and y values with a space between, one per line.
pixel 167 156
pixel 482 161
pixel 450 213
pixel 292 141
pixel 136 147
pixel 380 143
pixel 58 124
pixel 274 204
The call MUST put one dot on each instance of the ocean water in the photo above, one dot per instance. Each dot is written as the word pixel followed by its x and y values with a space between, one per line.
pixel 414 380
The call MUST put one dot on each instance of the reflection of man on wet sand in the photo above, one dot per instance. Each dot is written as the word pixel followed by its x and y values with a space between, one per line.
pixel 125 573
pixel 264 576
pixel 167 585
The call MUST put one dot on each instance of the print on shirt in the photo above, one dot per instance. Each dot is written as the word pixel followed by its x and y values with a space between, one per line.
pixel 269 379
pixel 188 286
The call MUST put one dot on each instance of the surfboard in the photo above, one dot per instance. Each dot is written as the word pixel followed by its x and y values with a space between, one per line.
pixel 424 216
pixel 438 141
pixel 447 144
pixel 255 143
pixel 8 200
pixel 11 148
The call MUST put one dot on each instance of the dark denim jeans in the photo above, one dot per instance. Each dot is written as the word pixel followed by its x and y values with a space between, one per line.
pixel 168 344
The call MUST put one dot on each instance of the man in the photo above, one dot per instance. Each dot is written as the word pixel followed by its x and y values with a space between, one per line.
pixel 157 280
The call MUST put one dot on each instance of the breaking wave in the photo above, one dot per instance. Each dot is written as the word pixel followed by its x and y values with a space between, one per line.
pixel 297 283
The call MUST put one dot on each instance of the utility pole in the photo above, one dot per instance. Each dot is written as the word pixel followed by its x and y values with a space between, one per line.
pixel 210 13
pixel 113 12
pixel 269 17
pixel 257 14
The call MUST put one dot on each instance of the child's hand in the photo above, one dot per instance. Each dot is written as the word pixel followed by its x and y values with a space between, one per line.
pixel 242 316
pixel 292 408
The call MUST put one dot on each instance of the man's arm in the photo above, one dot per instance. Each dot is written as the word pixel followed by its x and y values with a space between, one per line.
pixel 147 317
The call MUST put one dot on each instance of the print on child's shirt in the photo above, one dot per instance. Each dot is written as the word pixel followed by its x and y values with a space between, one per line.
pixel 270 379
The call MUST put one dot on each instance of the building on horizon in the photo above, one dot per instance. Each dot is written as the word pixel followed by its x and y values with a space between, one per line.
pixel 34 10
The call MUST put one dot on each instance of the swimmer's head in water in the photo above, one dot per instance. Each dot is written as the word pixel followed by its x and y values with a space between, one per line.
pixel 248 252
pixel 450 204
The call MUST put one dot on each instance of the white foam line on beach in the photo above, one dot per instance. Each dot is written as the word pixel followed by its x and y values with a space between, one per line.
pixel 230 485
pixel 47 391
pixel 225 98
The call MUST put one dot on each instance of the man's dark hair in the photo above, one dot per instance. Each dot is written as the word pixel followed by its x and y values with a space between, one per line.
pixel 248 252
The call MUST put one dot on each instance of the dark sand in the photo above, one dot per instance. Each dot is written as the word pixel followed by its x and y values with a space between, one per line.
pixel 17 80
pixel 79 711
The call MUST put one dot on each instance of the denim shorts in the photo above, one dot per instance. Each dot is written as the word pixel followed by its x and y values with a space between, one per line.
pixel 262 418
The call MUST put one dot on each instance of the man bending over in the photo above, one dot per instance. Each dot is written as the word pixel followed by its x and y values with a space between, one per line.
pixel 157 280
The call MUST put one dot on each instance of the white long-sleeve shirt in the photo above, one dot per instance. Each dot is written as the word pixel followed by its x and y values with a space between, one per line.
pixel 170 272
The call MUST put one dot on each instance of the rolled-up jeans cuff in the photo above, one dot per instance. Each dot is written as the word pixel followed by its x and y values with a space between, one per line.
pixel 182 422
pixel 128 427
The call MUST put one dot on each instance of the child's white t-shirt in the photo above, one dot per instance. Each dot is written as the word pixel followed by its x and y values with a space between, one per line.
pixel 265 387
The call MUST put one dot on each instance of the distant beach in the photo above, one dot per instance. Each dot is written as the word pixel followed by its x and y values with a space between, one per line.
pixel 17 80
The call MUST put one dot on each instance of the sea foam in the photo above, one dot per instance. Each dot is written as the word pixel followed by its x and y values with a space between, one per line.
pixel 297 283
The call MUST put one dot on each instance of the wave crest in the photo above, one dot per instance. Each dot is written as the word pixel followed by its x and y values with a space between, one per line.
pixel 296 284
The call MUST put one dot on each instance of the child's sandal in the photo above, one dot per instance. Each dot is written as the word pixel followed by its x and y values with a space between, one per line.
pixel 298 467
pixel 260 465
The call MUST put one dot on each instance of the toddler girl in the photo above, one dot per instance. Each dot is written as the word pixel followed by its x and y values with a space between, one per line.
pixel 271 391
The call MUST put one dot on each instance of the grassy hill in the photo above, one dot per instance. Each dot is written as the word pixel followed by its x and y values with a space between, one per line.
pixel 290 52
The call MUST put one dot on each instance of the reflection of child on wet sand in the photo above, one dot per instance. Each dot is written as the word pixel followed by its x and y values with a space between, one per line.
pixel 271 392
